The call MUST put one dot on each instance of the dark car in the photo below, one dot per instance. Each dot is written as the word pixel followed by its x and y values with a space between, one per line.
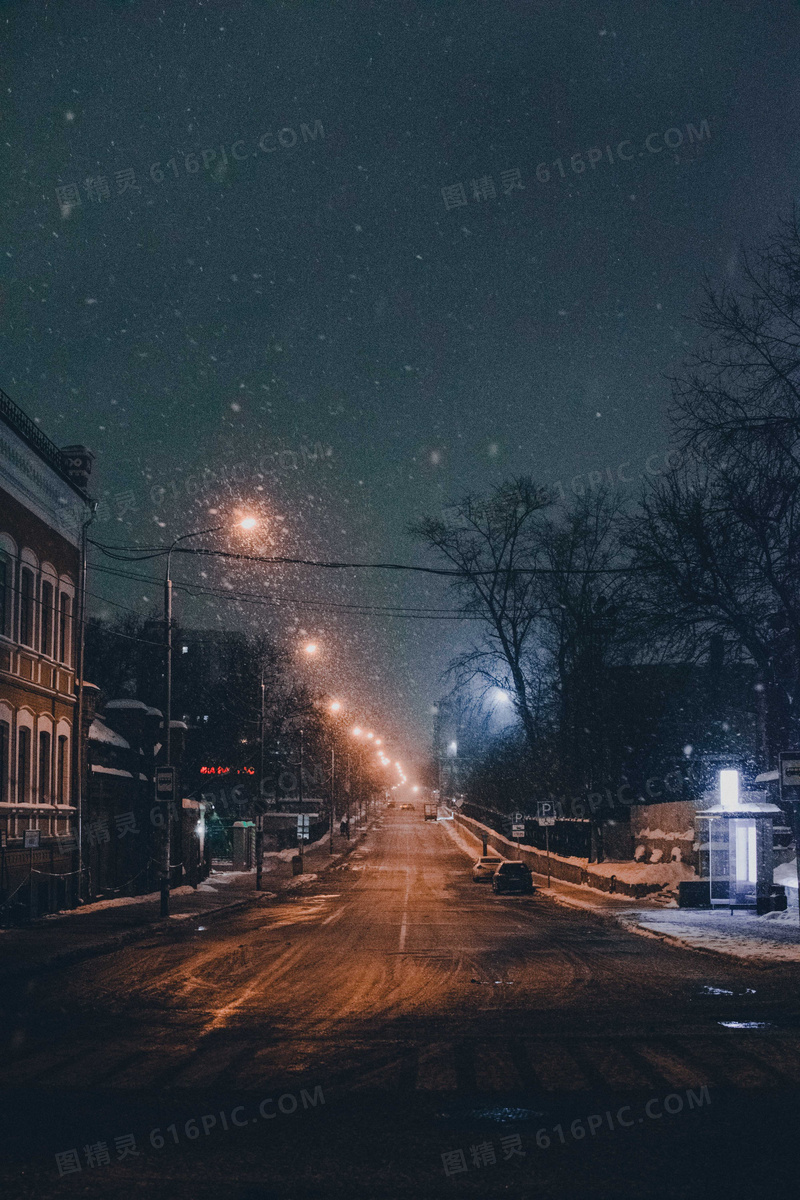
pixel 512 877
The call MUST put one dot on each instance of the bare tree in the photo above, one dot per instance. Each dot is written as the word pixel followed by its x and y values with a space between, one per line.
pixel 495 544
pixel 718 542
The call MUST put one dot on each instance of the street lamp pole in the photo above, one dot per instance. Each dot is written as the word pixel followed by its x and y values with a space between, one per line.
pixel 333 792
pixel 260 814
pixel 165 829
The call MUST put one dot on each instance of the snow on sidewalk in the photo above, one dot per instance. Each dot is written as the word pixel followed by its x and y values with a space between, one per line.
pixel 774 937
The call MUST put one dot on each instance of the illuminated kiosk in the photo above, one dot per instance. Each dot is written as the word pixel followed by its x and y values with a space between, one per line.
pixel 738 858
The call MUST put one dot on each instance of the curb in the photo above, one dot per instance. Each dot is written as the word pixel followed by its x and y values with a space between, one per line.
pixel 126 937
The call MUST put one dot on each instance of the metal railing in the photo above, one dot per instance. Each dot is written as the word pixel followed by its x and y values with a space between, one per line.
pixel 30 431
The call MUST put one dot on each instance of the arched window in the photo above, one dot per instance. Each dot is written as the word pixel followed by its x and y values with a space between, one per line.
pixel 62 766
pixel 46 631
pixel 44 791
pixel 5 594
pixel 23 764
pixel 5 765
pixel 26 607
pixel 64 640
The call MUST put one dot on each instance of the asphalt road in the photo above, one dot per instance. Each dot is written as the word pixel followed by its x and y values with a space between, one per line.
pixel 345 1038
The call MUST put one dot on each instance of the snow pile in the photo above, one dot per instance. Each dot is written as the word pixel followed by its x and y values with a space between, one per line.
pixel 786 874
pixel 774 936
pixel 670 873
pixel 653 834
pixel 119 901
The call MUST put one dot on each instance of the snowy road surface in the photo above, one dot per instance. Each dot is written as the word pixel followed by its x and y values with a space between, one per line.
pixel 433 1016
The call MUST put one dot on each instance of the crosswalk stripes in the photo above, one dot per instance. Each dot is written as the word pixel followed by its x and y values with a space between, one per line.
pixel 436 1070
pixel 556 1068
pixel 457 1066
pixel 668 1066
pixel 495 1068
pixel 724 1068
pixel 615 1067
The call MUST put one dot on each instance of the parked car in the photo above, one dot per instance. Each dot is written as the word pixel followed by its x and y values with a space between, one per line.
pixel 406 808
pixel 485 867
pixel 512 877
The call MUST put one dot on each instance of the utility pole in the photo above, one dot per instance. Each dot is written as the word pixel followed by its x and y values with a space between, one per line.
pixel 167 817
pixel 78 738
pixel 333 793
pixel 300 799
pixel 260 815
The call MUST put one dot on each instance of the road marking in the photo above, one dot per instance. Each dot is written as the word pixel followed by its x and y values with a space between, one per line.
pixel 334 916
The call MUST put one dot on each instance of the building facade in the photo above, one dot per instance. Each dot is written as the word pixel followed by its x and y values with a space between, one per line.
pixel 43 507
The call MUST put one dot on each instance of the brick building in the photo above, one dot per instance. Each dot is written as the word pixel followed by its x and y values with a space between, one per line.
pixel 43 506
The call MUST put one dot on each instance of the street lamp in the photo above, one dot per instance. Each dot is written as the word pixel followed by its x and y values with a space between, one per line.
pixel 245 523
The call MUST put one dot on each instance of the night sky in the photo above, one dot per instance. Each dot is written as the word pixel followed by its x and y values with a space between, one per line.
pixel 324 291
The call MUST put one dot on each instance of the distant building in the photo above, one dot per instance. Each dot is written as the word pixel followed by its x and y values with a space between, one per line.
pixel 43 505
pixel 122 819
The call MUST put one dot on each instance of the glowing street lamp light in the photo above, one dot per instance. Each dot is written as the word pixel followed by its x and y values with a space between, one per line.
pixel 311 648
pixel 729 789
pixel 248 523
pixel 336 706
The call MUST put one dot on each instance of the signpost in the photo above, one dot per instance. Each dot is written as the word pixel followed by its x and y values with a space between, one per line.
pixel 165 783
pixel 546 815
pixel 32 839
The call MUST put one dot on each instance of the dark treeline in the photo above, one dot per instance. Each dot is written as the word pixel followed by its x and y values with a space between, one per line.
pixel 634 641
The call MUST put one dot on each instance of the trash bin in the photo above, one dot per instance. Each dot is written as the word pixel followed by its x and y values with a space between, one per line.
pixel 244 845
pixel 297 865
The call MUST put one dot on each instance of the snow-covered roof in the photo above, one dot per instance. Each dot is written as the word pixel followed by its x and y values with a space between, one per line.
pixel 98 732
pixel 768 777
pixel 178 725
pixel 752 808
pixel 121 705
pixel 155 712
pixel 111 771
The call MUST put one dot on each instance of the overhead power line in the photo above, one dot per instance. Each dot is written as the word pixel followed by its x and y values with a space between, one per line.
pixel 362 566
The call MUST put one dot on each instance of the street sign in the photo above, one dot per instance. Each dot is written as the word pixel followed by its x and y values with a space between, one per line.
pixel 165 783
pixel 790 769
pixel 32 839
pixel 302 827
pixel 546 812
pixel 518 830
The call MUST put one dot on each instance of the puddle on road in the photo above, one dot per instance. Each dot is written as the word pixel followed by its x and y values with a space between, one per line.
pixel 500 1114
pixel 747 1024
pixel 708 990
